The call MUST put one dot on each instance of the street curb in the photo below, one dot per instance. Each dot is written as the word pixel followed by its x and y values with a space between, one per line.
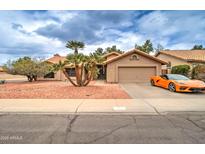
pixel 81 113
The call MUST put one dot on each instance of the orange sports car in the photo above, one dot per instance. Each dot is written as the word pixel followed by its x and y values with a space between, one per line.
pixel 177 83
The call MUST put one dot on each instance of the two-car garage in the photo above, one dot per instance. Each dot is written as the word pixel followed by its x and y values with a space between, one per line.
pixel 135 74
pixel 133 66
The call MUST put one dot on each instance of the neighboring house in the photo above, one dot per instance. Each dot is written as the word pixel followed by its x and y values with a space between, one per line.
pixel 132 66
pixel 57 75
pixel 55 59
pixel 181 57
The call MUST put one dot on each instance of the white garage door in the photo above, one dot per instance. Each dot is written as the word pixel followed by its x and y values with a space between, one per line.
pixel 135 74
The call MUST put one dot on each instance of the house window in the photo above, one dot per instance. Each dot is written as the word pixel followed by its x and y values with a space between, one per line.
pixel 70 71
pixel 49 75
pixel 134 57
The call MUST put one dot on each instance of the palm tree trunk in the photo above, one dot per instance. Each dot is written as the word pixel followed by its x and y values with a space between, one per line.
pixel 77 75
pixel 81 74
pixel 60 75
pixel 68 77
pixel 76 51
pixel 89 78
pixel 85 78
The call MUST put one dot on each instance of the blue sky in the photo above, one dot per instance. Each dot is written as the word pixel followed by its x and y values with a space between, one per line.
pixel 44 33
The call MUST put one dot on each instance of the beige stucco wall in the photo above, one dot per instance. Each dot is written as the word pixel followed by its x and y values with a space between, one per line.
pixel 112 68
pixel 60 76
pixel 174 61
pixel 57 76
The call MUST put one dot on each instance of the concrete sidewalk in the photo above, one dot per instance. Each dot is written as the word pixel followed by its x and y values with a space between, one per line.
pixel 81 106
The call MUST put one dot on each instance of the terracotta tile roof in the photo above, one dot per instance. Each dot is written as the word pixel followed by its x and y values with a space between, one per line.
pixel 188 55
pixel 135 51
pixel 111 53
pixel 56 58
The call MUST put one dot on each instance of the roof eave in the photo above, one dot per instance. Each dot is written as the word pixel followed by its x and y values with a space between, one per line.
pixel 195 60
pixel 139 52
pixel 108 54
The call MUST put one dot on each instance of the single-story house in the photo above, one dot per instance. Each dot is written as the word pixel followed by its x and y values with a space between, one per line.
pixel 131 66
pixel 181 57
pixel 57 75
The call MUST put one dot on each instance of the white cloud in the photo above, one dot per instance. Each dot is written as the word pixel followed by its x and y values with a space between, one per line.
pixel 181 46
pixel 172 29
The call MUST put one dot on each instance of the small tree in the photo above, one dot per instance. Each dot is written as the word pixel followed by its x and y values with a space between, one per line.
pixel 146 47
pixel 159 48
pixel 198 47
pixel 29 67
pixel 181 69
pixel 99 51
pixel 113 48
pixel 41 69
pixel 197 70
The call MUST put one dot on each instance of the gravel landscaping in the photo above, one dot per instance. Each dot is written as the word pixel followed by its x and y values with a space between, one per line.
pixel 60 90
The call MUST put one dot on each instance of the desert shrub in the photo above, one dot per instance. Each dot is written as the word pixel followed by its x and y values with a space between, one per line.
pixel 32 68
pixel 181 69
pixel 198 71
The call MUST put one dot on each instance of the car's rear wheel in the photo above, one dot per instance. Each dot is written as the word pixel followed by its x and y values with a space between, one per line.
pixel 172 87
pixel 152 82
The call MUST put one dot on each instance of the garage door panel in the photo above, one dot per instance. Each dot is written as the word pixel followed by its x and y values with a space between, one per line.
pixel 135 74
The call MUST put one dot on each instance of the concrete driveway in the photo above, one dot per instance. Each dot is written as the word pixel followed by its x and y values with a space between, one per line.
pixel 145 90
pixel 163 101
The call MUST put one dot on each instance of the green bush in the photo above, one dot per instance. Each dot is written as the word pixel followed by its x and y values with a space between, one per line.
pixel 197 71
pixel 181 69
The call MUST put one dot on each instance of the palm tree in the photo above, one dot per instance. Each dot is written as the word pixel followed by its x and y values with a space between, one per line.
pixel 78 61
pixel 91 67
pixel 61 66
pixel 87 71
pixel 85 66
pixel 75 45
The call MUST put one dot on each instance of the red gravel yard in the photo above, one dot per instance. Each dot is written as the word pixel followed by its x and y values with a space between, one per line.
pixel 60 90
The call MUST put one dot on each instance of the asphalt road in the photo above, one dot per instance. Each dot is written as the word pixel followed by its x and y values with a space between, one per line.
pixel 170 128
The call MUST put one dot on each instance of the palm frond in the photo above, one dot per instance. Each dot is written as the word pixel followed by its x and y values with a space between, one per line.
pixel 75 45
